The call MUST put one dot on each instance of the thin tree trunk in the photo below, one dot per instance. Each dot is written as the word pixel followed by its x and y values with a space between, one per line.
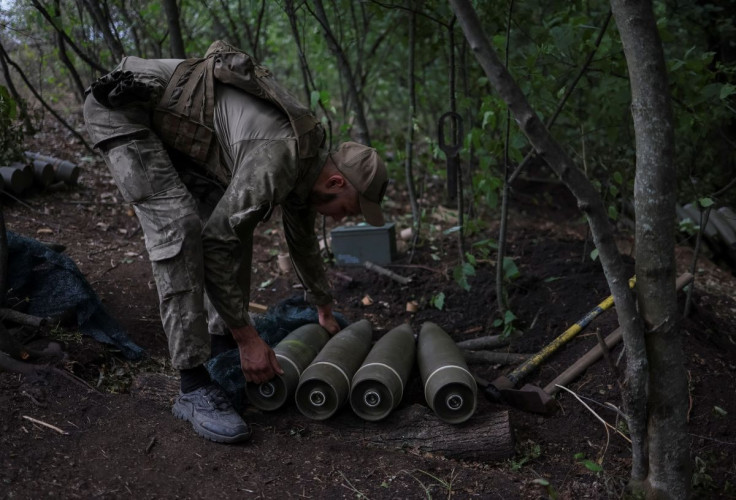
pixel 589 201
pixel 501 295
pixel 65 58
pixel 408 165
pixel 103 24
pixel 43 102
pixel 172 21
pixel 654 200
pixel 306 73
pixel 354 99
pixel 22 105
pixel 94 64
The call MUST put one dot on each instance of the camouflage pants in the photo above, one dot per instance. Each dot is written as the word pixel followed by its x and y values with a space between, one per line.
pixel 169 217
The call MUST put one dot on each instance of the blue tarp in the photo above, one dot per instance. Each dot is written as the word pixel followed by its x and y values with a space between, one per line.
pixel 54 286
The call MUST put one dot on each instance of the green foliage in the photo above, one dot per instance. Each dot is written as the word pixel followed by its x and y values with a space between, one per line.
pixel 11 133
pixel 702 481
pixel 461 273
pixel 506 323
pixel 587 463
pixel 438 301
pixel 526 451
pixel 551 492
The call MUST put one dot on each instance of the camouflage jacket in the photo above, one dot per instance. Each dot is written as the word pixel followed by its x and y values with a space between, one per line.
pixel 279 170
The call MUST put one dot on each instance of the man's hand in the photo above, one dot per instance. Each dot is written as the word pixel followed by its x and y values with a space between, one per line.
pixel 327 319
pixel 257 360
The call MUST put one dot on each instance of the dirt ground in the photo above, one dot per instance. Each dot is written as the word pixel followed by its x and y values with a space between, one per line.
pixel 120 440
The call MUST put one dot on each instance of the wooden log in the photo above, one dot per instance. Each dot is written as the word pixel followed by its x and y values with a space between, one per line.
pixel 63 170
pixel 497 358
pixel 729 216
pixel 487 342
pixel 725 231
pixel 43 173
pixel 485 437
pixel 14 179
pixel 22 318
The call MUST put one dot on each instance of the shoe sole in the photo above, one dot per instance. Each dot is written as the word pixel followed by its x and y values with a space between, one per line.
pixel 217 438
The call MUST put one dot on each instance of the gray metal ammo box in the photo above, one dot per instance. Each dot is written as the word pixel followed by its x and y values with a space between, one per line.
pixel 353 245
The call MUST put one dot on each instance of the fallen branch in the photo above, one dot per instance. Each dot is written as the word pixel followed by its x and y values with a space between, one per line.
pixel 498 358
pixel 382 270
pixel 488 342
pixel 49 426
pixel 22 318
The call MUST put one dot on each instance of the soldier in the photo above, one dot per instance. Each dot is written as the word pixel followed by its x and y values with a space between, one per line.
pixel 172 133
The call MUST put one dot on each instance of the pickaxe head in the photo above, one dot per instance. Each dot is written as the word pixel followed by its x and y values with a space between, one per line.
pixel 528 398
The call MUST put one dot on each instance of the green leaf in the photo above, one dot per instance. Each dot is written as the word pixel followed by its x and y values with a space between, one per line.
pixel 314 99
pixel 438 301
pixel 508 317
pixel 510 271
pixel 594 255
pixel 612 212
pixel 497 322
pixel 705 202
pixel 727 90
pixel 471 259
pixel 719 411
pixel 591 466
pixel 453 229
pixel 618 177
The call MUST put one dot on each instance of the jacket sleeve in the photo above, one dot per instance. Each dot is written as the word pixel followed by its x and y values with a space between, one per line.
pixel 261 180
pixel 304 252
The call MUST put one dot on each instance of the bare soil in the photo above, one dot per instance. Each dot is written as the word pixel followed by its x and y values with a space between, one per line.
pixel 120 439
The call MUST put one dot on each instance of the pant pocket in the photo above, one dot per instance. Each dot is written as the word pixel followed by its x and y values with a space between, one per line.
pixel 170 268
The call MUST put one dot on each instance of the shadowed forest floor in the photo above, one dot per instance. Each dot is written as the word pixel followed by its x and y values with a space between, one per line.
pixel 120 439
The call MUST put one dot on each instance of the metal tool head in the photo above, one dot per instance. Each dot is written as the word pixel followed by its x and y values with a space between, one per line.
pixel 528 398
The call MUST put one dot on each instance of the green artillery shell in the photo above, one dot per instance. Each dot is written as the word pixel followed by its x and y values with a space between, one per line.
pixel 378 385
pixel 449 388
pixel 324 386
pixel 294 353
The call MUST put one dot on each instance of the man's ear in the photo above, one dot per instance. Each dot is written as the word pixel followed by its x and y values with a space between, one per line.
pixel 335 182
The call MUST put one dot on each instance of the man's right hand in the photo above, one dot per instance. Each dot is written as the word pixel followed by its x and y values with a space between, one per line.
pixel 257 360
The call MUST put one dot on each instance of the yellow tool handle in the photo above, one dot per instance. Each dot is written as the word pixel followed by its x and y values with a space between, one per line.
pixel 522 370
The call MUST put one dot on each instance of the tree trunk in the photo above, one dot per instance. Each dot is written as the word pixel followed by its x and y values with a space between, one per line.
pixel 86 58
pixel 355 103
pixel 22 105
pixel 103 24
pixel 408 162
pixel 4 54
pixel 589 201
pixel 654 200
pixel 65 58
pixel 172 20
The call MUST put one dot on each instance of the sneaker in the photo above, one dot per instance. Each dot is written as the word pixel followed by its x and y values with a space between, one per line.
pixel 211 415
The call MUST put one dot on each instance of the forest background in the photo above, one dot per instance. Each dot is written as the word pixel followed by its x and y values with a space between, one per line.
pixel 383 73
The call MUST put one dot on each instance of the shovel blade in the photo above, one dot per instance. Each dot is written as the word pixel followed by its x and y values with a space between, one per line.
pixel 529 398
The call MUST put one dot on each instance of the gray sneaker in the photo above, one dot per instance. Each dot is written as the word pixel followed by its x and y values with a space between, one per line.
pixel 211 415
